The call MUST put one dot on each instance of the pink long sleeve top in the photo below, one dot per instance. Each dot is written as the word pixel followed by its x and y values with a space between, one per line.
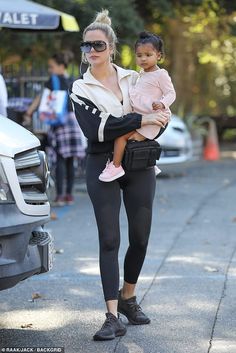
pixel 154 86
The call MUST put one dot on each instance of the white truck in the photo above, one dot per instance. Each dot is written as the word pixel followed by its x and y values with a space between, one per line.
pixel 26 247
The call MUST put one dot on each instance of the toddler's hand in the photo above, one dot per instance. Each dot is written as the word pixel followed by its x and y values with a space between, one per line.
pixel 157 105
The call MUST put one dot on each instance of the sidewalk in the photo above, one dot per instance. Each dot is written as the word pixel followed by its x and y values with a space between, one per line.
pixel 187 285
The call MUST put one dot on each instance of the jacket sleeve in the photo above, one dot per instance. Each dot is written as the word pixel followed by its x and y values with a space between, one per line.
pixel 99 126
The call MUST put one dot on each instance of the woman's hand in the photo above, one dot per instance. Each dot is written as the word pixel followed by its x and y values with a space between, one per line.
pixel 160 118
pixel 26 119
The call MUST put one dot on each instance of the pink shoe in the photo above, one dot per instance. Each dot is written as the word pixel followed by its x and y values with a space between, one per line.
pixel 111 172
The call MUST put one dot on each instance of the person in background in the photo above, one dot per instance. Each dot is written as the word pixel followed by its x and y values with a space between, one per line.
pixel 3 97
pixel 66 140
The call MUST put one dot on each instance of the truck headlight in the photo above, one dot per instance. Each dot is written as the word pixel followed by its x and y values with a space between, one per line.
pixel 5 192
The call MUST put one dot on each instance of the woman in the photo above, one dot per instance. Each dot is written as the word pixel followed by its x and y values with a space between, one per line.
pixel 102 107
pixel 65 139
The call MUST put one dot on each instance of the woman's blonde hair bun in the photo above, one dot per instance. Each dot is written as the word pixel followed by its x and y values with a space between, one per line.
pixel 103 17
pixel 102 23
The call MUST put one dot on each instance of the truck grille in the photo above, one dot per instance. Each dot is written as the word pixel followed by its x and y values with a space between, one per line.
pixel 32 173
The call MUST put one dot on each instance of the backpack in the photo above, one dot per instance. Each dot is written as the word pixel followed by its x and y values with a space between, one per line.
pixel 53 105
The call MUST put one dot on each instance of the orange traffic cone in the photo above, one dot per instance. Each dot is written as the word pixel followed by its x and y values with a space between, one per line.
pixel 211 150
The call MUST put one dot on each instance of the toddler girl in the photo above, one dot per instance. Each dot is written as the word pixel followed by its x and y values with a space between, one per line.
pixel 153 90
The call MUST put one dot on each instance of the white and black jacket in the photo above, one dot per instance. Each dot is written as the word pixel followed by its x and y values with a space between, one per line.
pixel 101 116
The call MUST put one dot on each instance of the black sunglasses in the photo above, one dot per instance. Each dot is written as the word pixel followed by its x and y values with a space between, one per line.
pixel 98 45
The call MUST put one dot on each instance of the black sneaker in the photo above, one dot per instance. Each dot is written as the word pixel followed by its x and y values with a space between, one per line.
pixel 111 328
pixel 131 309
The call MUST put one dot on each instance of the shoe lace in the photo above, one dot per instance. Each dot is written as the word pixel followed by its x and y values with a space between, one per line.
pixel 107 322
pixel 107 165
pixel 135 307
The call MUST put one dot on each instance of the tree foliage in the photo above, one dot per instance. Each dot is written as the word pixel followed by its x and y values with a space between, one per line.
pixel 199 36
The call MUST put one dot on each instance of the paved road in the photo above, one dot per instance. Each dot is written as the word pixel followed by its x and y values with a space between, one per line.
pixel 187 285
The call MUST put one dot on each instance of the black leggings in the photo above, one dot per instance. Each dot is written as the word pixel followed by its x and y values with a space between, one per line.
pixel 64 168
pixel 138 194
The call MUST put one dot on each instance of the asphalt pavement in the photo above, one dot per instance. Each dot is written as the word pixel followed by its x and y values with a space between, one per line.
pixel 187 285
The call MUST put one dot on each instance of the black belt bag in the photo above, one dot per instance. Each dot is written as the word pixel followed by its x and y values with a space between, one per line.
pixel 140 155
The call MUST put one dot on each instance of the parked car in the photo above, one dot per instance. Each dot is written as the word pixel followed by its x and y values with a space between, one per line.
pixel 26 247
pixel 177 146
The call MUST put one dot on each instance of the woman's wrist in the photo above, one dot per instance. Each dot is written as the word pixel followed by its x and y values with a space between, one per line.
pixel 27 114
pixel 158 119
pixel 143 121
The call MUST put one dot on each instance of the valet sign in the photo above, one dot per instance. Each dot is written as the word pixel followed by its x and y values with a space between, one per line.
pixel 30 20
pixel 14 18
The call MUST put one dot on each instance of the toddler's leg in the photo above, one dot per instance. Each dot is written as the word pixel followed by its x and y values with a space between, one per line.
pixel 114 169
pixel 119 148
pixel 137 136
